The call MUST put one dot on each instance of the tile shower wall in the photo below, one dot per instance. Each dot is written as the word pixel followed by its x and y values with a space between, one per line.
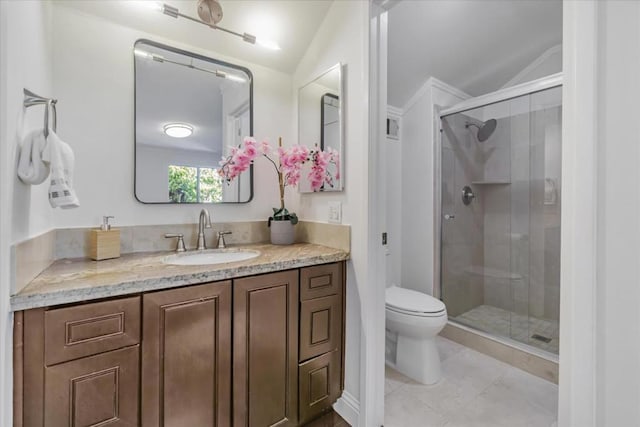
pixel 499 231
pixel 462 237
pixel 521 229
pixel 546 133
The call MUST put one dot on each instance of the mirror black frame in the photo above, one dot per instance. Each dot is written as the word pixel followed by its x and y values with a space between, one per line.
pixel 322 104
pixel 201 58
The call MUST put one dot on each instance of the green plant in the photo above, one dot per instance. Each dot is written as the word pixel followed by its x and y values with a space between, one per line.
pixel 194 185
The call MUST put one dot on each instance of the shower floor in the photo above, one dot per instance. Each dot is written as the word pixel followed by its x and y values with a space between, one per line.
pixel 512 325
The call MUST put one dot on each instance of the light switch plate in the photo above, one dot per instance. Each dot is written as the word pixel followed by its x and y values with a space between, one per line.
pixel 335 212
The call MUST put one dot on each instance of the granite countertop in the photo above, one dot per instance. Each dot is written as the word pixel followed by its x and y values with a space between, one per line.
pixel 72 280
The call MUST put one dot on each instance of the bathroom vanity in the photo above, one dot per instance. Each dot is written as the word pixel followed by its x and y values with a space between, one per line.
pixel 251 343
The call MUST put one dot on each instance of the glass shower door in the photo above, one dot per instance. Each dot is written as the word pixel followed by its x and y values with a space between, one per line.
pixel 500 204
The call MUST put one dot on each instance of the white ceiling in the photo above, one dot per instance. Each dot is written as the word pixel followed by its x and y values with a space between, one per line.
pixel 290 23
pixel 170 93
pixel 474 45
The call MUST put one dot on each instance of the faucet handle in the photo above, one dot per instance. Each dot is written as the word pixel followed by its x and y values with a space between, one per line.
pixel 221 243
pixel 180 246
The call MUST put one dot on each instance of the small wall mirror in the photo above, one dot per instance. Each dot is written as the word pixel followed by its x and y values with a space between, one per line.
pixel 320 120
pixel 189 109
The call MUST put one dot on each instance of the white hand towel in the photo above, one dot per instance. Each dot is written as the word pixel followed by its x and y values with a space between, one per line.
pixel 31 168
pixel 61 160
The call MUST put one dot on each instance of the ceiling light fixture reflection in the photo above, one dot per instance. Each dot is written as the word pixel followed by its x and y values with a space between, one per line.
pixel 218 73
pixel 178 130
pixel 210 13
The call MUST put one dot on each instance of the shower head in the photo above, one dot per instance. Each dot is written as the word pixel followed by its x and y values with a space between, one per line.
pixel 485 129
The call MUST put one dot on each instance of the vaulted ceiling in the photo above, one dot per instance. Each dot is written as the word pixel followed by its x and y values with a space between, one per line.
pixel 292 24
pixel 474 45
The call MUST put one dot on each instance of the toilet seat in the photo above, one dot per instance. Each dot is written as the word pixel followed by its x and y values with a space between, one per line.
pixel 416 313
pixel 413 303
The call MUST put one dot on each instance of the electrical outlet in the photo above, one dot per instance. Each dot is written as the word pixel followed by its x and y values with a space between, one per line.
pixel 335 212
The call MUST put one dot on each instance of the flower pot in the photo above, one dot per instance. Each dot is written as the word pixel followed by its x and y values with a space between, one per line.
pixel 282 232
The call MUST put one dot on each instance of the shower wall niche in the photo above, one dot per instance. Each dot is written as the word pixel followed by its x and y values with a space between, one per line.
pixel 500 253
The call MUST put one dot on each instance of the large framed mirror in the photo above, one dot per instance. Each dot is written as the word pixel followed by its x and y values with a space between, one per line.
pixel 321 121
pixel 189 109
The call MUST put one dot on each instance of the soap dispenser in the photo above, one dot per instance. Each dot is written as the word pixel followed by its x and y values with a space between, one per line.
pixel 105 241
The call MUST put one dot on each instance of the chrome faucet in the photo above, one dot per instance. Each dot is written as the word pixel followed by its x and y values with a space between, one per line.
pixel 203 222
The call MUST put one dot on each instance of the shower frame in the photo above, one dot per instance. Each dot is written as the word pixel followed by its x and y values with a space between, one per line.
pixel 548 82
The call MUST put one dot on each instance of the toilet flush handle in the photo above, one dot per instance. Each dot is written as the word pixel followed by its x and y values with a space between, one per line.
pixel 449 216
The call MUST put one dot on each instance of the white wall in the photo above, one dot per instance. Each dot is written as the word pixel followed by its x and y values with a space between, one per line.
pixel 25 62
pixel 93 79
pixel 341 38
pixel 618 215
pixel 418 181
pixel 28 55
pixel 550 62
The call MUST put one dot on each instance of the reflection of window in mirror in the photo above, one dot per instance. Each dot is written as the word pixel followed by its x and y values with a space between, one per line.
pixel 329 121
pixel 194 185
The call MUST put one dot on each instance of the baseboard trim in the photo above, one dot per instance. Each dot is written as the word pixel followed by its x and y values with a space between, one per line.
pixel 348 407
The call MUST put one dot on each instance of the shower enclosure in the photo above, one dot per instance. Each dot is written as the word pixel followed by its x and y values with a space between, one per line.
pixel 500 164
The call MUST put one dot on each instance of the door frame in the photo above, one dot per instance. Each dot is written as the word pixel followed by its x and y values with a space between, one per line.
pixel 577 384
pixel 577 380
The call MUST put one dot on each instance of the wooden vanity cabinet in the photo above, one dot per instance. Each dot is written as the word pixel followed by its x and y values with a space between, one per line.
pixel 259 351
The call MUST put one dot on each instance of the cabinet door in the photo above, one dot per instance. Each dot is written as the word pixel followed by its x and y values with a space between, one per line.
pixel 321 281
pixel 186 356
pixel 88 329
pixel 320 326
pixel 99 390
pixel 319 385
pixel 265 369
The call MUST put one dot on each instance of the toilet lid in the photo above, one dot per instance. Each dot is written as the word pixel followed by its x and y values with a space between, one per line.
pixel 409 300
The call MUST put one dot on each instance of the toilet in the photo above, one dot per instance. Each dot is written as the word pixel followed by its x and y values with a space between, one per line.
pixel 416 318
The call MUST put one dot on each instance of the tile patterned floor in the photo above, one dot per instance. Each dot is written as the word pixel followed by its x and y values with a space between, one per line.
pixel 512 325
pixel 475 391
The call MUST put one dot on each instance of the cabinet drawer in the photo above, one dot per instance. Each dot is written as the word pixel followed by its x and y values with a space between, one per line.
pixel 94 391
pixel 320 326
pixel 88 329
pixel 320 281
pixel 319 385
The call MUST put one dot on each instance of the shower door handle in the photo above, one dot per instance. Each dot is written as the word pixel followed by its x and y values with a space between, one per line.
pixel 449 216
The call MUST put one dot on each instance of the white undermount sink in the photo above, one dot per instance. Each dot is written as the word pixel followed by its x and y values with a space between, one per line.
pixel 211 256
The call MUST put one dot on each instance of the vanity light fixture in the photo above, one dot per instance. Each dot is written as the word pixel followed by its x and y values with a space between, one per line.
pixel 218 73
pixel 178 130
pixel 232 77
pixel 210 13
